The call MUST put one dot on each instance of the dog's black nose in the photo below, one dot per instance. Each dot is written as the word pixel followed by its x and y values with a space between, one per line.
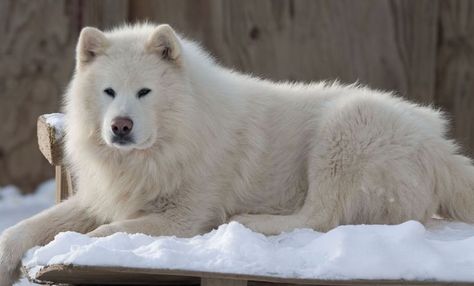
pixel 122 126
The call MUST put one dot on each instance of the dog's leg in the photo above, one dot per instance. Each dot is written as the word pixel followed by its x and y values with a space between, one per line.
pixel 314 214
pixel 321 209
pixel 38 230
pixel 156 224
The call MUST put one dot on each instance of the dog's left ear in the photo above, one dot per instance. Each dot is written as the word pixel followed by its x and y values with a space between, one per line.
pixel 164 42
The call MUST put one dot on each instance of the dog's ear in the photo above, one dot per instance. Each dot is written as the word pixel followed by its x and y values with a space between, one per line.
pixel 164 42
pixel 92 42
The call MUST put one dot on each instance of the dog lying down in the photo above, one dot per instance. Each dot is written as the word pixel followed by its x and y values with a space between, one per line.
pixel 162 140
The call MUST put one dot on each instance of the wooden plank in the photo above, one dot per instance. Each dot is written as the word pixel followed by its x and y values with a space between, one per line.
pixel 191 18
pixel 52 148
pixel 455 69
pixel 415 25
pixel 103 14
pixel 48 143
pixel 108 276
pixel 222 282
pixel 87 275
pixel 63 184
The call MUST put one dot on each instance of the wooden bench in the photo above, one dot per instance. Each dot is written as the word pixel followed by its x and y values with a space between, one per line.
pixel 50 144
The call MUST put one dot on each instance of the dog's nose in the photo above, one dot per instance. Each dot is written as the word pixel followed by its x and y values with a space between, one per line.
pixel 122 126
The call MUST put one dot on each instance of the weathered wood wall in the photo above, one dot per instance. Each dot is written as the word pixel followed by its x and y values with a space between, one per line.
pixel 422 49
pixel 36 42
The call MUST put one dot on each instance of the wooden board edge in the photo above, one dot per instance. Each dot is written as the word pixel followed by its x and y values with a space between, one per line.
pixel 49 145
pixel 48 274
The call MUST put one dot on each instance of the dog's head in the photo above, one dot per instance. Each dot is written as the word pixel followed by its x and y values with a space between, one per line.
pixel 127 79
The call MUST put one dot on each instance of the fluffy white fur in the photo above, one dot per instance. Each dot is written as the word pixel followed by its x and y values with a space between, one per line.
pixel 213 145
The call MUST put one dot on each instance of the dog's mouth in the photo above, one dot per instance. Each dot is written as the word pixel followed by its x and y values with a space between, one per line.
pixel 123 141
pixel 128 143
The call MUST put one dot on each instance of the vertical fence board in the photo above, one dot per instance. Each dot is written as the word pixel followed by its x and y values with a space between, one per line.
pixel 103 14
pixel 455 68
pixel 191 18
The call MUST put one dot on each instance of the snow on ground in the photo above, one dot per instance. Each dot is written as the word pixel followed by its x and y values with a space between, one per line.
pixel 15 207
pixel 442 251
pixel 409 251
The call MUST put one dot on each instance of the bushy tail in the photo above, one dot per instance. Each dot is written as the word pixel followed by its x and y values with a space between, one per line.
pixel 454 175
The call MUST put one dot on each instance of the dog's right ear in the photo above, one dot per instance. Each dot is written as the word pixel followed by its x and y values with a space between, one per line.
pixel 164 42
pixel 92 42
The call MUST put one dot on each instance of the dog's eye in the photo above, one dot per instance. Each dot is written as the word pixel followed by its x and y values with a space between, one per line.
pixel 110 92
pixel 142 92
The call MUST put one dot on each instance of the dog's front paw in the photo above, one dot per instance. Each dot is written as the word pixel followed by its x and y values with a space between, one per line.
pixel 9 263
pixel 6 276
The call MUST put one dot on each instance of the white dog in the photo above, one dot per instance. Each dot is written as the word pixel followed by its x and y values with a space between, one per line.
pixel 162 140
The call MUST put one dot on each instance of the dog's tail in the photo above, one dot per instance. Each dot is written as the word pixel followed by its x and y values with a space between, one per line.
pixel 454 177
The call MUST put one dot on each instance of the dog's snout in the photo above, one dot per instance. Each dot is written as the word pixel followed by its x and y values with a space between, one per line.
pixel 122 126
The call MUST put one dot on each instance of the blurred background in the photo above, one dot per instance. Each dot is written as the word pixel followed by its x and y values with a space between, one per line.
pixel 422 49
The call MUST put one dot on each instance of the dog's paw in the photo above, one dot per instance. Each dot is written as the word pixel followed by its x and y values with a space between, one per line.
pixel 9 264
pixel 6 278
pixel 4 281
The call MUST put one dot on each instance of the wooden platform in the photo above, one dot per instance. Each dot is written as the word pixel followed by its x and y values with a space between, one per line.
pixel 92 275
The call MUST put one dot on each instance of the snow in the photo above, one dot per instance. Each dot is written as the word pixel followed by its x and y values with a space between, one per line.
pixel 15 207
pixel 441 251
pixel 57 121
pixel 444 251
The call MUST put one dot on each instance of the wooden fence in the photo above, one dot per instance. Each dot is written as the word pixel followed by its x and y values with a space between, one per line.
pixel 423 49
